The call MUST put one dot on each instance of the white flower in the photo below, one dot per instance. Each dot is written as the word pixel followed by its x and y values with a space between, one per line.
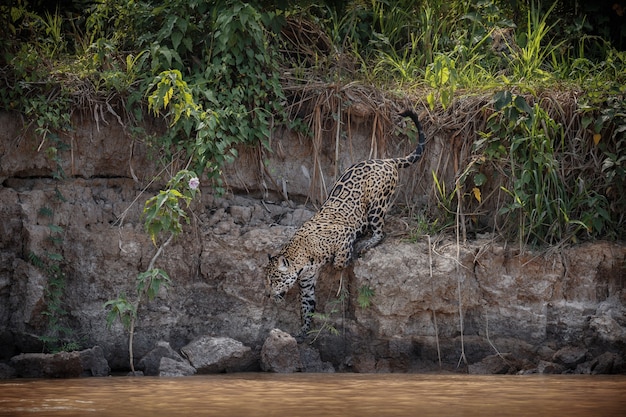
pixel 194 183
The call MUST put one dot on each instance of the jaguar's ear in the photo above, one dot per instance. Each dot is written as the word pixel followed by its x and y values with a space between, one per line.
pixel 283 264
pixel 269 257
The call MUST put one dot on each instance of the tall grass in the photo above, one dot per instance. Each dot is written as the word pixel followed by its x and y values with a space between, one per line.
pixel 544 207
pixel 531 60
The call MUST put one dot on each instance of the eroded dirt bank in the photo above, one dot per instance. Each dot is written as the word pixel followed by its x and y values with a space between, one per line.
pixel 433 301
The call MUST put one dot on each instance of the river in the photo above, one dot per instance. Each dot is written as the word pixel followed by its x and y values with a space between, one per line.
pixel 294 395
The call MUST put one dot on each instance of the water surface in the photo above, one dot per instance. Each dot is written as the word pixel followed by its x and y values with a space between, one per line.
pixel 317 395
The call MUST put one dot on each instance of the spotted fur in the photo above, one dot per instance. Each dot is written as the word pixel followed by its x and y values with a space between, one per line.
pixel 357 202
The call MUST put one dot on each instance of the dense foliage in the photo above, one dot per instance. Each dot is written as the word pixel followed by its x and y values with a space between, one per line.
pixel 219 71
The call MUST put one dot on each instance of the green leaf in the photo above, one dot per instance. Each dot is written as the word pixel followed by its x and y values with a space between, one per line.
pixel 55 257
pixel 430 99
pixel 502 99
pixel 55 228
pixel 480 179
pixel 45 211
pixel 521 104
pixel 176 38
pixel 366 293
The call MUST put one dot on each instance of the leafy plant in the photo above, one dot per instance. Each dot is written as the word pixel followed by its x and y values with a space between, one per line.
pixel 446 202
pixel 612 143
pixel 404 65
pixel 547 208
pixel 326 317
pixel 424 226
pixel 364 300
pixel 231 98
pixel 365 295
pixel 123 309
pixel 327 326
pixel 442 77
pixel 162 214
pixel 407 38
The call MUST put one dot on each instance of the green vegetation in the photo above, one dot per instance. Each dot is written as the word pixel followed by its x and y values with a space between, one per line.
pixel 364 299
pixel 162 213
pixel 336 305
pixel 539 86
pixel 57 336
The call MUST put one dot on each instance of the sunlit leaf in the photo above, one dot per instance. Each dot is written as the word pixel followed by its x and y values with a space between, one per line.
pixel 430 98
pixel 596 138
pixel 477 194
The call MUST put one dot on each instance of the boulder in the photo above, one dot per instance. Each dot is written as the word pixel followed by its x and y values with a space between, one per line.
pixel 6 371
pixel 570 356
pixel 170 367
pixel 280 353
pixel 47 365
pixel 311 360
pixel 150 364
pixel 210 354
pixel 88 362
pixel 545 367
pixel 93 362
pixel 607 363
pixel 495 365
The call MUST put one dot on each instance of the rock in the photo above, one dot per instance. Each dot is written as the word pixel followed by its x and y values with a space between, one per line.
pixel 136 373
pixel 46 365
pixel 608 329
pixel 88 362
pixel 241 214
pixel 545 367
pixel 607 363
pixel 495 365
pixel 218 354
pixel 6 371
pixel 583 368
pixel 365 363
pixel 280 353
pixel 93 362
pixel 151 362
pixel 297 217
pixel 172 367
pixel 570 356
pixel 544 352
pixel 311 360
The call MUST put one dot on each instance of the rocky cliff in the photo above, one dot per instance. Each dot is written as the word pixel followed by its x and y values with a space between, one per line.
pixel 436 300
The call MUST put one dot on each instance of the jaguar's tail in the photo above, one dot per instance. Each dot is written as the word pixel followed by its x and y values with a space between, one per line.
pixel 417 153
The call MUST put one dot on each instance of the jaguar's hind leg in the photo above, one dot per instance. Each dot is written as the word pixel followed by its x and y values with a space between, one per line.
pixel 344 255
pixel 365 245
pixel 376 223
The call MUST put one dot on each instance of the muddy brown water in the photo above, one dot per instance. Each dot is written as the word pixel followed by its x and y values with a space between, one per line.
pixel 318 395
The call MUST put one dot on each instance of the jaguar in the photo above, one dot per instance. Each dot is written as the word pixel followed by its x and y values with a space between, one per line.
pixel 356 205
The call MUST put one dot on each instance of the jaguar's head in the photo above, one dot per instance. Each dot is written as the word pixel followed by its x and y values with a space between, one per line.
pixel 280 276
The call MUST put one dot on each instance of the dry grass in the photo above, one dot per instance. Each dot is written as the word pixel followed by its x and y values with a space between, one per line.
pixel 334 111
